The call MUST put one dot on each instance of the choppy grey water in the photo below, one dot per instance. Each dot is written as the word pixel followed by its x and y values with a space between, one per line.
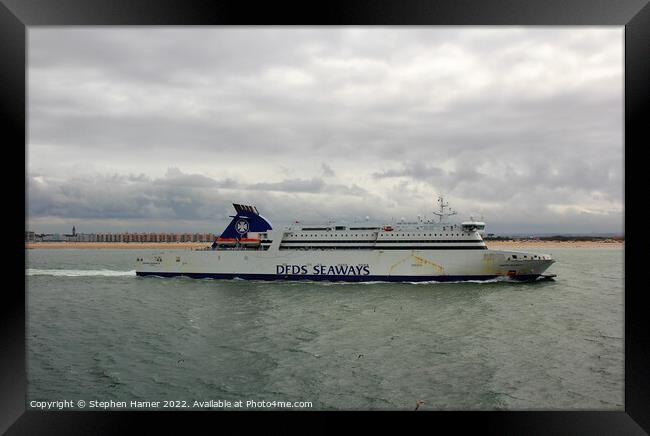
pixel 96 332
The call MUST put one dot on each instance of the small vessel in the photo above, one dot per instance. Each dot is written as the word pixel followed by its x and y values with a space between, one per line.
pixel 423 250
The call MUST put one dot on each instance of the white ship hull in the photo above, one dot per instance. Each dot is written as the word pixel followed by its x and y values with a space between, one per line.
pixel 423 251
pixel 346 265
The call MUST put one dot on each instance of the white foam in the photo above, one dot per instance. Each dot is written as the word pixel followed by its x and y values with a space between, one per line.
pixel 486 281
pixel 78 272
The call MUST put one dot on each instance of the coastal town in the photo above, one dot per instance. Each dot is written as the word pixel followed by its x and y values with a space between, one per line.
pixel 125 237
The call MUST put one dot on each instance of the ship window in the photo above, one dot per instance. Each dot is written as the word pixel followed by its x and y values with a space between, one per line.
pixel 514 256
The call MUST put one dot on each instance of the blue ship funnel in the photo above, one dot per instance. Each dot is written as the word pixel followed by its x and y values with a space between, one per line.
pixel 247 220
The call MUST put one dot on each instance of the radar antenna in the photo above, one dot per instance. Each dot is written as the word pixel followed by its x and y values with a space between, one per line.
pixel 442 214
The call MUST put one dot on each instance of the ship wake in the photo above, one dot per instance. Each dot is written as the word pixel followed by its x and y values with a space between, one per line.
pixel 78 272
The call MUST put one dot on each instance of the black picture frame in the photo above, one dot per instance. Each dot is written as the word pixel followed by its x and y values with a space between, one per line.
pixel 17 15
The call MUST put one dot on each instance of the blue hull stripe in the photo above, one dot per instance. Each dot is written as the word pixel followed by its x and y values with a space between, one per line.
pixel 334 278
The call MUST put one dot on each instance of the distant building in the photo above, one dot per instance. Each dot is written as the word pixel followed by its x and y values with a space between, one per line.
pixel 71 237
pixel 54 237
pixel 119 237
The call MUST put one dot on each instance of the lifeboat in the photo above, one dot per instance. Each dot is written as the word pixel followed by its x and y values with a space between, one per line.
pixel 228 242
pixel 250 242
pixel 388 229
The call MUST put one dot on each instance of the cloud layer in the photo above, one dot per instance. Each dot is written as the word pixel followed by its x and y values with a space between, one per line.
pixel 163 127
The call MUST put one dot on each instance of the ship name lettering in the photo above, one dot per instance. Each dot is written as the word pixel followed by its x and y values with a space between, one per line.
pixel 324 270
pixel 291 269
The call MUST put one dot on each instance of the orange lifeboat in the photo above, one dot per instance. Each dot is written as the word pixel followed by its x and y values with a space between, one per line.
pixel 229 242
pixel 250 242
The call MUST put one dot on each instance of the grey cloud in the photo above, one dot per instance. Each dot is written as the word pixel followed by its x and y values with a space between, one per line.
pixel 508 117
pixel 327 170
pixel 292 185
pixel 418 170
pixel 535 177
pixel 175 196
pixel 141 200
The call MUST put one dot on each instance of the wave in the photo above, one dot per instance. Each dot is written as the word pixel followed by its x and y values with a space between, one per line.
pixel 78 272
pixel 486 281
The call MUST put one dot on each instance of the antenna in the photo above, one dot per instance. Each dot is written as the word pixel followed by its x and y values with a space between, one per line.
pixel 442 215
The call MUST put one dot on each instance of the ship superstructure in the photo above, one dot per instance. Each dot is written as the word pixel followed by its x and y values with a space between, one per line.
pixel 423 250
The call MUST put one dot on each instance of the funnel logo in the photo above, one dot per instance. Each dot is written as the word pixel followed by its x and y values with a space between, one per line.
pixel 241 226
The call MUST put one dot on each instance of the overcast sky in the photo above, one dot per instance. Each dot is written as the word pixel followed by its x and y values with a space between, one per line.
pixel 161 129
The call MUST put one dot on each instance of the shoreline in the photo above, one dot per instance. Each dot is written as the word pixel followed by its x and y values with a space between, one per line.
pixel 555 244
pixel 514 244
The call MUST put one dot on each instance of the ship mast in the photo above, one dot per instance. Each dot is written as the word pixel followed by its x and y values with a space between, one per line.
pixel 442 214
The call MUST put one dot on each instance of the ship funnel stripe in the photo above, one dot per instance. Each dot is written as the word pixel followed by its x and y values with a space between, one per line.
pixel 245 208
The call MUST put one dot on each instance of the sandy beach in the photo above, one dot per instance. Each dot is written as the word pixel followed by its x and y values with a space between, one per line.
pixel 514 244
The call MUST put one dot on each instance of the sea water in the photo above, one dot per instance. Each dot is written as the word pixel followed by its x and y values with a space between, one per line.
pixel 96 332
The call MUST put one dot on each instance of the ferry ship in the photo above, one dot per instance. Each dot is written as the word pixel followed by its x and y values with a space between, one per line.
pixel 424 250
